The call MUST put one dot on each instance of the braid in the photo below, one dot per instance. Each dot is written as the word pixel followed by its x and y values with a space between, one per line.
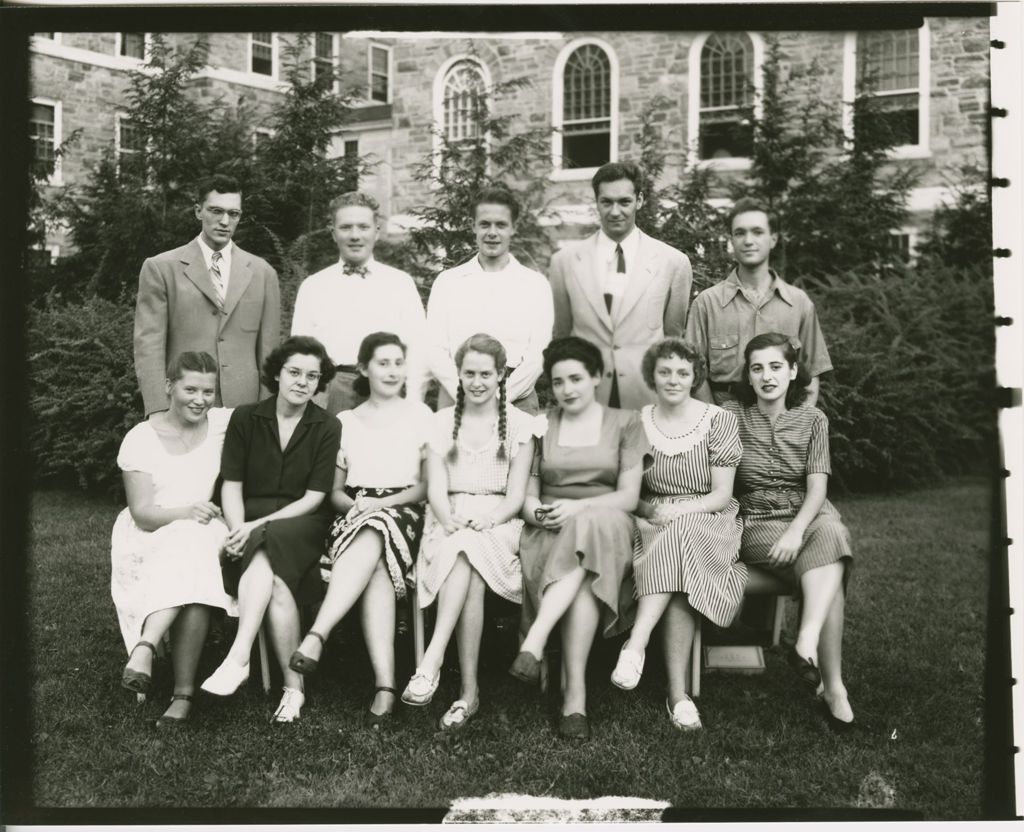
pixel 460 403
pixel 502 420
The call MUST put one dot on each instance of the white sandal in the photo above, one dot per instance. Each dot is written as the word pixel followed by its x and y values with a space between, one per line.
pixel 291 704
pixel 458 714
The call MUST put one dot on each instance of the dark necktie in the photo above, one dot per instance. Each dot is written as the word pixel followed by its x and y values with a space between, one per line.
pixel 351 268
pixel 620 267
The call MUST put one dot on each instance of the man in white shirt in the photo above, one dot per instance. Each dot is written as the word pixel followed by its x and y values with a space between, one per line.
pixel 620 288
pixel 207 296
pixel 345 302
pixel 495 294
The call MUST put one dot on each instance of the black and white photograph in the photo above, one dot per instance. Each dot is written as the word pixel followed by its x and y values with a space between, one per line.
pixel 496 414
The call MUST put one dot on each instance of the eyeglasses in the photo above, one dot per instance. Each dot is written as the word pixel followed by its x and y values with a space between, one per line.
pixel 294 373
pixel 220 212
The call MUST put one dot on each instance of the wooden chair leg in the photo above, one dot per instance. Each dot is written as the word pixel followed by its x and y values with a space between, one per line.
pixel 695 660
pixel 778 616
pixel 264 661
pixel 417 624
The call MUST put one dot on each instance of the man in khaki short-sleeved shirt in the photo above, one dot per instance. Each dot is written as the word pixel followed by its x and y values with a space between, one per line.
pixel 752 299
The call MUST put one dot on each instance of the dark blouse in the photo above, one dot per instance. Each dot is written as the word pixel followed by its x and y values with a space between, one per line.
pixel 271 478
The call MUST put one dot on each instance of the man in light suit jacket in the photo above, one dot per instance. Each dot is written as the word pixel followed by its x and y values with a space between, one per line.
pixel 209 296
pixel 620 288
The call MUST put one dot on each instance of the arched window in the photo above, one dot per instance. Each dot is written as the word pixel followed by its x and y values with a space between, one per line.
pixel 464 93
pixel 586 108
pixel 888 68
pixel 726 94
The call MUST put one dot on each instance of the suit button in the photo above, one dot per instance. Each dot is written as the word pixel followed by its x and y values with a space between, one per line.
pixel 221 340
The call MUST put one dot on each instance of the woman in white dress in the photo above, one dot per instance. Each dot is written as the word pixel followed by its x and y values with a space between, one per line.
pixel 379 488
pixel 165 545
pixel 478 466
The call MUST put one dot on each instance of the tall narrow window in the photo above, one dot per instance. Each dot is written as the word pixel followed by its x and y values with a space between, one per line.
pixel 726 92
pixel 261 56
pixel 380 73
pixel 464 95
pixel 586 108
pixel 351 157
pixel 133 45
pixel 128 143
pixel 323 55
pixel 42 131
pixel 888 68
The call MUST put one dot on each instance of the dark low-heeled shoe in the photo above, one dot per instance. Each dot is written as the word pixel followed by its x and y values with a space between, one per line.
pixel 165 721
pixel 301 663
pixel 574 727
pixel 378 721
pixel 526 668
pixel 135 680
pixel 837 725
pixel 805 668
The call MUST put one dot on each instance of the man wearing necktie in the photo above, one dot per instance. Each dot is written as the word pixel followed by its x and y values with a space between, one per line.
pixel 358 295
pixel 620 288
pixel 208 296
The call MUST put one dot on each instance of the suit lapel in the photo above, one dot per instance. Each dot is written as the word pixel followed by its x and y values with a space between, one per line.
pixel 194 268
pixel 241 276
pixel 640 276
pixel 588 273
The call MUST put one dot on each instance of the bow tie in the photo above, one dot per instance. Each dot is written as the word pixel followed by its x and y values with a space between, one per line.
pixel 350 268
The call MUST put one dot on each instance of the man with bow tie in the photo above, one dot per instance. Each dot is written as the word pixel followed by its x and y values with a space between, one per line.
pixel 208 296
pixel 345 302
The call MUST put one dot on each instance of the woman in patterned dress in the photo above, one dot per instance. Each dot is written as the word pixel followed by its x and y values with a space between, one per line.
pixel 688 537
pixel 165 573
pixel 577 549
pixel 277 466
pixel 789 525
pixel 477 469
pixel 379 488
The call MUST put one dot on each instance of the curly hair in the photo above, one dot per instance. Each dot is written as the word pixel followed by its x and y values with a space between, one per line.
pixel 796 395
pixel 573 348
pixel 495 195
pixel 348 199
pixel 485 345
pixel 191 362
pixel 297 345
pixel 667 348
pixel 370 344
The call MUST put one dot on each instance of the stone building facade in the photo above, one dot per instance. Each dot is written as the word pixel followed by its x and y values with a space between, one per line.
pixel 587 88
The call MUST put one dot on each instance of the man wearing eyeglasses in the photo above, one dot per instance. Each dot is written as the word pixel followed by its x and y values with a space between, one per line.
pixel 209 296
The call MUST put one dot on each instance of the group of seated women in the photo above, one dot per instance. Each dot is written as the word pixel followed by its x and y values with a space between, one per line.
pixel 592 518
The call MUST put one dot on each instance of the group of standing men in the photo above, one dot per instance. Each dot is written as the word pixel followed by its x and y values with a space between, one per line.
pixel 618 288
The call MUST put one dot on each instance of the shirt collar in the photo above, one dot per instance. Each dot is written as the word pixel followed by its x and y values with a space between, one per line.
pixel 208 252
pixel 474 264
pixel 630 244
pixel 731 285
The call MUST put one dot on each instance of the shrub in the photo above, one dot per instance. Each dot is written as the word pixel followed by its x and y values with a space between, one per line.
pixel 83 393
pixel 910 398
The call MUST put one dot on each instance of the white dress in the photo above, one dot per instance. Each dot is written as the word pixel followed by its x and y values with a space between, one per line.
pixel 476 483
pixel 178 563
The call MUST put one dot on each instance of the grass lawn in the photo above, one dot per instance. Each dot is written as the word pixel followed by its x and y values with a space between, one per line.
pixel 914 660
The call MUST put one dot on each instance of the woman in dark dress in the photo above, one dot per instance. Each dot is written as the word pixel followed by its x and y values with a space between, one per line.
pixel 278 466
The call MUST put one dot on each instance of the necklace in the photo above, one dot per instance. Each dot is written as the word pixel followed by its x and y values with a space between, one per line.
pixel 696 424
pixel 181 434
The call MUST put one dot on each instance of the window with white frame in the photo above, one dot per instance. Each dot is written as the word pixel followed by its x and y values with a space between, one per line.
pixel 379 62
pixel 586 122
pixel 463 101
pixel 261 53
pixel 324 54
pixel 260 136
pixel 129 142
pixel 132 45
pixel 889 70
pixel 44 133
pixel 903 245
pixel 726 96
pixel 351 157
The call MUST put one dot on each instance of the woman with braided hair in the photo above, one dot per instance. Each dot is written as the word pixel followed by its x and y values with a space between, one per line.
pixel 478 465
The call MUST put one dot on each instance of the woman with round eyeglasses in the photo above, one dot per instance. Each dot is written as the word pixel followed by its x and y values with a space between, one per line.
pixel 277 467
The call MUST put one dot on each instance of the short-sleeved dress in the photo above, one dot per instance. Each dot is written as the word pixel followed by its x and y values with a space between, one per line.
pixel 271 479
pixel 599 539
pixel 176 564
pixel 379 462
pixel 477 480
pixel 696 553
pixel 772 484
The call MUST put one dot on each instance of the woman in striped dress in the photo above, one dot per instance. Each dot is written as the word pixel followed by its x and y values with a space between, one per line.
pixel 688 535
pixel 379 488
pixel 478 465
pixel 788 523
pixel 577 549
